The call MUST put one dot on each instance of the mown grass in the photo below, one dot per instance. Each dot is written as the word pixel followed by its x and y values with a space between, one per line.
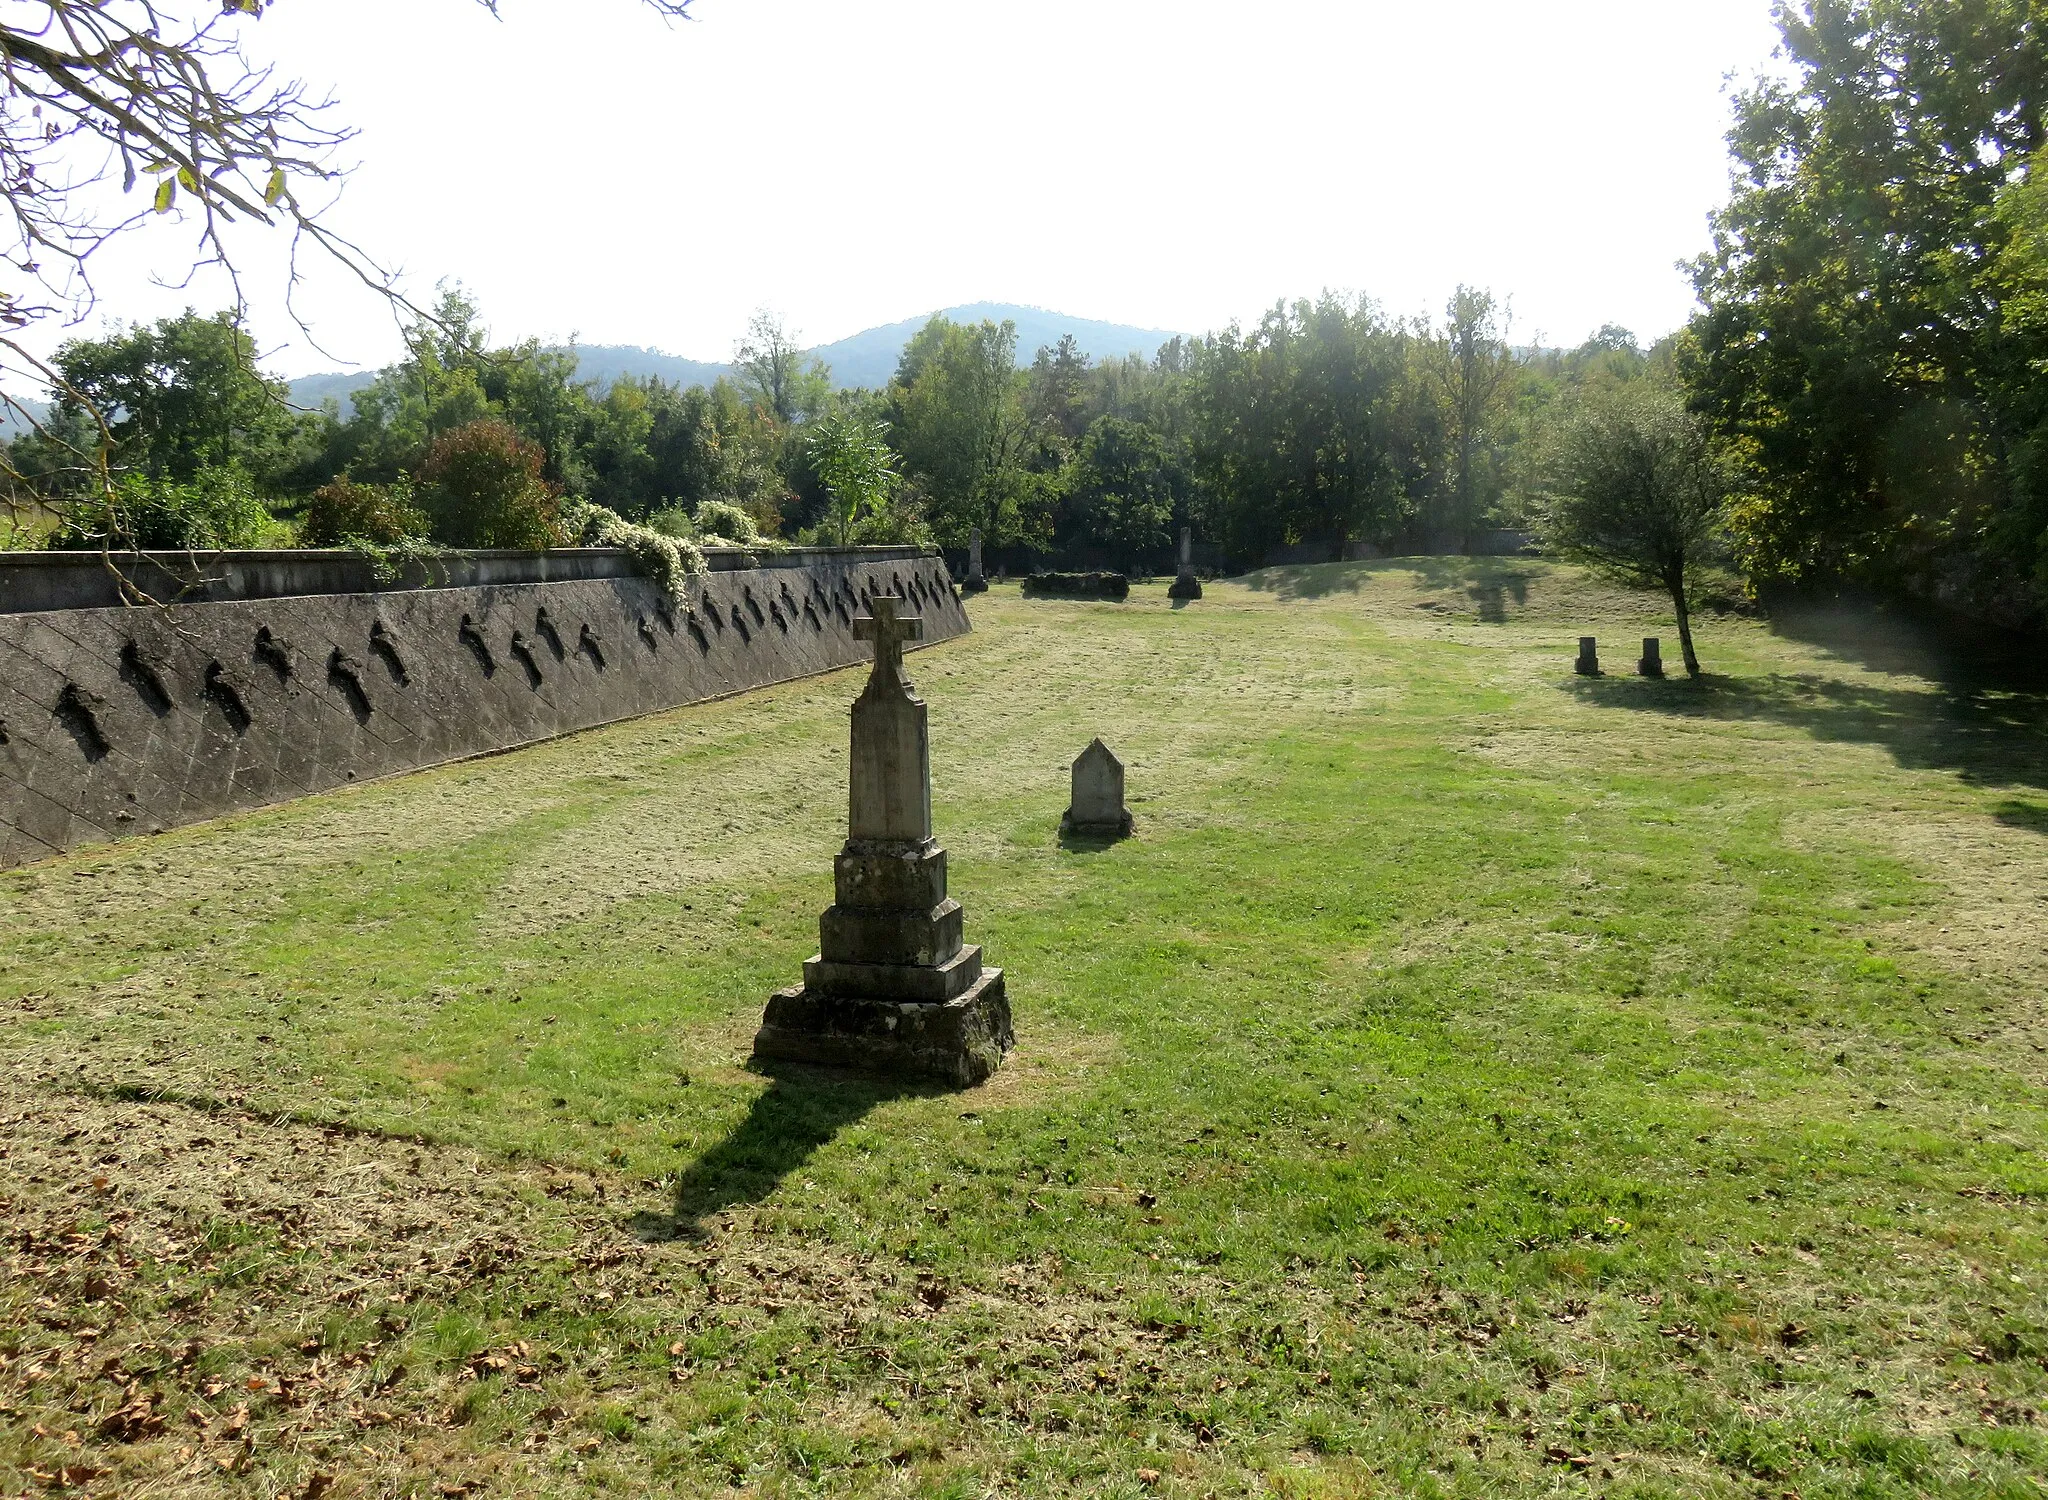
pixel 1470 1080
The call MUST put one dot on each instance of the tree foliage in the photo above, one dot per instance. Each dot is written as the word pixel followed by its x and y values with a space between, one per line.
pixel 1636 486
pixel 1867 335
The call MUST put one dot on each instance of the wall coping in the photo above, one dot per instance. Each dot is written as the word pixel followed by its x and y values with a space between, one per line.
pixel 31 582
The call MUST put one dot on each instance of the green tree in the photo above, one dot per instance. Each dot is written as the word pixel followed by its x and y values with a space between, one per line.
pixel 958 419
pixel 1470 371
pixel 1122 492
pixel 1294 426
pixel 178 397
pixel 792 385
pixel 1856 336
pixel 853 460
pixel 1637 487
pixel 483 487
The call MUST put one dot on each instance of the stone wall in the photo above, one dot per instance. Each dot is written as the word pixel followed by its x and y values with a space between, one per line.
pixel 120 721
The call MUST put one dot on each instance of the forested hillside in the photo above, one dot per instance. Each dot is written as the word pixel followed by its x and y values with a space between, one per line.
pixel 1859 402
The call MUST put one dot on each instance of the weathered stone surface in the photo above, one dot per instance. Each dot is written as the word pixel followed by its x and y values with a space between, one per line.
pixel 892 988
pixel 890 788
pixel 864 935
pixel 1097 807
pixel 937 982
pixel 1185 584
pixel 960 1042
pixel 224 707
pixel 890 875
pixel 976 583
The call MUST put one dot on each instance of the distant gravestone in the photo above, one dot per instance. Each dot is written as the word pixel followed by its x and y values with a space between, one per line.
pixel 976 583
pixel 1097 809
pixel 1185 584
pixel 892 990
pixel 1588 664
pixel 1652 664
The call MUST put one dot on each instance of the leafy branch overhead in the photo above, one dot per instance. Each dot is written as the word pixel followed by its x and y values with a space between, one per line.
pixel 115 113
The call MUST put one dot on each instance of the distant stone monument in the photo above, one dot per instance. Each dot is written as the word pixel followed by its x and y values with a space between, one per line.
pixel 1652 664
pixel 1185 584
pixel 892 989
pixel 1097 809
pixel 976 583
pixel 1588 664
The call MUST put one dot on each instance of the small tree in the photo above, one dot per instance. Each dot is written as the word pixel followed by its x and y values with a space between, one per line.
pixel 853 462
pixel 1636 488
pixel 483 488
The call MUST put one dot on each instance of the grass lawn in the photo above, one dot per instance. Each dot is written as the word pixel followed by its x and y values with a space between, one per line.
pixel 1470 1080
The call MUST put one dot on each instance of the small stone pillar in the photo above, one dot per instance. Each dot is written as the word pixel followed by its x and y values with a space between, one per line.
pixel 1588 664
pixel 1096 810
pixel 892 989
pixel 976 583
pixel 1652 664
pixel 1185 584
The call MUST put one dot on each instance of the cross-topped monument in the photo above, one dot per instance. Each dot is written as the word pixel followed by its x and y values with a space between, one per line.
pixel 892 989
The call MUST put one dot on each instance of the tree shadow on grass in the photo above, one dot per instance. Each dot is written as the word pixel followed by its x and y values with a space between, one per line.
pixel 1486 584
pixel 802 1109
pixel 1989 737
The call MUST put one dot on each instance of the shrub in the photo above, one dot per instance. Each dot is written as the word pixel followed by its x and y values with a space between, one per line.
pixel 483 487
pixel 667 560
pixel 1079 585
pixel 216 509
pixel 344 512
pixel 723 521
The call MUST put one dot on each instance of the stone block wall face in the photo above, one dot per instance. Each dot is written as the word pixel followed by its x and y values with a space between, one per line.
pixel 121 721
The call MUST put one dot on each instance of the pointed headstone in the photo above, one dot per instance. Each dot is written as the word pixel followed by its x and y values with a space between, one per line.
pixel 1096 809
pixel 893 989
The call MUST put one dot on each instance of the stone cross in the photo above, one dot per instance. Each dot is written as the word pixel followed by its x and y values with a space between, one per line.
pixel 888 631
pixel 890 786
pixel 894 988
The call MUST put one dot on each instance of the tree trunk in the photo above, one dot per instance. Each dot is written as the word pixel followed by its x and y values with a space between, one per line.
pixel 1692 661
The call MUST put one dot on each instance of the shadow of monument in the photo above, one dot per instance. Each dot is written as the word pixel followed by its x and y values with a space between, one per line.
pixel 1988 737
pixel 802 1109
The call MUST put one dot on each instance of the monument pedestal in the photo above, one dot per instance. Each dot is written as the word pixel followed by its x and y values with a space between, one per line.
pixel 893 989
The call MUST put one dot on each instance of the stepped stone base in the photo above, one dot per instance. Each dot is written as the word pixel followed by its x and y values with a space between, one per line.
pixel 1187 586
pixel 960 1041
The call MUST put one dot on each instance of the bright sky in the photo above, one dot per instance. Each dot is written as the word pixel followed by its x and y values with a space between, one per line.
pixel 585 169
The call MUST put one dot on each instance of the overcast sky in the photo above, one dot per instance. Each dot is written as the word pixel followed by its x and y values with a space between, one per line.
pixel 587 170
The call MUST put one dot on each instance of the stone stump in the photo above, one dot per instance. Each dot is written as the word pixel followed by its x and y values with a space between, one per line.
pixel 1652 664
pixel 1588 664
pixel 1185 584
pixel 1096 810
pixel 893 989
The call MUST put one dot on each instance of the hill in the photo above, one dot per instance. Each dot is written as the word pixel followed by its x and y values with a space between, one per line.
pixel 866 359
pixel 869 358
